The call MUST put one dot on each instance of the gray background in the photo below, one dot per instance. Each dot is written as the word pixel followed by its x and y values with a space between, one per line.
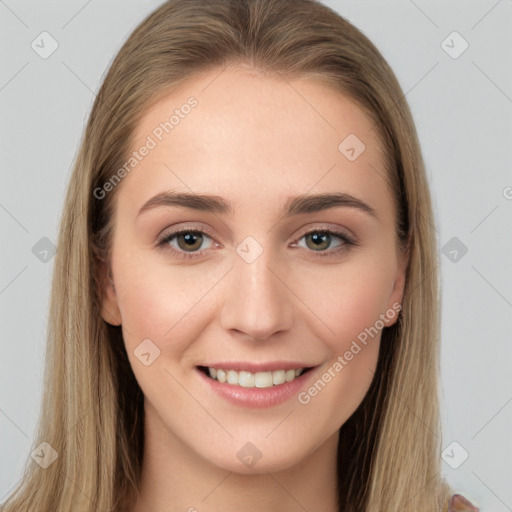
pixel 462 105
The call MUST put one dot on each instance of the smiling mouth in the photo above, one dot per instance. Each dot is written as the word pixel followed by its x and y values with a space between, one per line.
pixel 246 379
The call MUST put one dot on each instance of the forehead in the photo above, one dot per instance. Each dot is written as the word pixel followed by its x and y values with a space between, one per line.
pixel 240 132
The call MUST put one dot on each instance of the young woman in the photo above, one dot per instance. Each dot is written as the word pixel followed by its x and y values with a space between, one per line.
pixel 244 310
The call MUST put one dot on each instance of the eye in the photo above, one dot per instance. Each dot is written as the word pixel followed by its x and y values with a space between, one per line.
pixel 320 241
pixel 186 242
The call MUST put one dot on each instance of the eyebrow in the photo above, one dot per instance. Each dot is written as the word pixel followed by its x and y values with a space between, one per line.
pixel 304 203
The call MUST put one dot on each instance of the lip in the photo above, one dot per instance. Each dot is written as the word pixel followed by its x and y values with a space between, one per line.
pixel 256 398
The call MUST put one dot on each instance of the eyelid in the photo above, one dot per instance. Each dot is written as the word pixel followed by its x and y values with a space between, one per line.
pixel 336 230
pixel 171 231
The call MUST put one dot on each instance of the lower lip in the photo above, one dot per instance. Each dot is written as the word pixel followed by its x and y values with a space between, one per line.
pixel 257 398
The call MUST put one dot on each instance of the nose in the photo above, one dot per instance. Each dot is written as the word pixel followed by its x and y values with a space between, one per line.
pixel 258 303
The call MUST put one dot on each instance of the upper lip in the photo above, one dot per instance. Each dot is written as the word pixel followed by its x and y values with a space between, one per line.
pixel 257 367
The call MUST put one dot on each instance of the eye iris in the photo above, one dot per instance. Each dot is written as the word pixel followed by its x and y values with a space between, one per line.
pixel 319 239
pixel 192 240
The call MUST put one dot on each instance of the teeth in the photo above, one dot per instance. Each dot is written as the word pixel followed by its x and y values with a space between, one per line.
pixel 263 380
pixel 290 375
pixel 232 377
pixel 252 380
pixel 245 379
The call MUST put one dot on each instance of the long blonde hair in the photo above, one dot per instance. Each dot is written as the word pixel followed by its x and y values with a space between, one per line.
pixel 92 410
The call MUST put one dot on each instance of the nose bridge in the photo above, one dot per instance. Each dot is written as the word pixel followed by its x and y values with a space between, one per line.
pixel 257 302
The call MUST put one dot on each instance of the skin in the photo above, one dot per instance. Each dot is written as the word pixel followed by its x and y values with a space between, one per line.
pixel 254 140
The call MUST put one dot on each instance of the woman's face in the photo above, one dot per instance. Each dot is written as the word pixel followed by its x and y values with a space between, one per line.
pixel 266 277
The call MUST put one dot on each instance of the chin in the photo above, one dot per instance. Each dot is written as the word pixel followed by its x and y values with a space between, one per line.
pixel 272 463
pixel 260 456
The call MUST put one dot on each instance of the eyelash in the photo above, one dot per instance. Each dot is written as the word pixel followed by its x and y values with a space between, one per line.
pixel 347 242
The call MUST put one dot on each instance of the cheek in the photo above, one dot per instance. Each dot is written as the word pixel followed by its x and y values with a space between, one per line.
pixel 162 303
pixel 349 303
pixel 349 300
